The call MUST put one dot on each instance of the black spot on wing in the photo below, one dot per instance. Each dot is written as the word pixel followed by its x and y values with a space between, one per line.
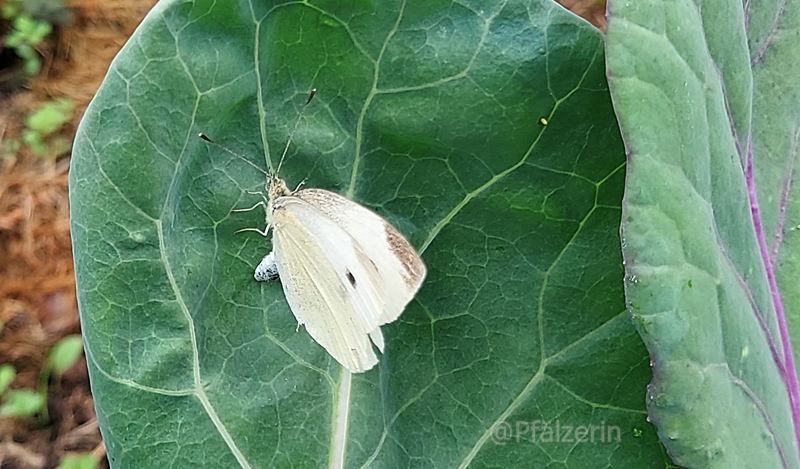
pixel 350 278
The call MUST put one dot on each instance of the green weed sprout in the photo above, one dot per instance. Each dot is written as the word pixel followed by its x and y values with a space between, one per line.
pixel 79 461
pixel 29 402
pixel 44 122
pixel 25 37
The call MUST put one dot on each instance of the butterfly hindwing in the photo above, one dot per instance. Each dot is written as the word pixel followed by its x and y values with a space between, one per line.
pixel 316 294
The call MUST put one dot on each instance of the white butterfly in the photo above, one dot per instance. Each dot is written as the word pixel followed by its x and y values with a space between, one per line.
pixel 345 270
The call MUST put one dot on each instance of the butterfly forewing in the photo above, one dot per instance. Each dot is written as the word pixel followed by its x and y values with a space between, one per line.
pixel 357 272
pixel 399 268
pixel 317 296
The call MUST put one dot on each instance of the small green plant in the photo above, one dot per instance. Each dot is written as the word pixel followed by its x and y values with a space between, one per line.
pixel 79 461
pixel 52 11
pixel 26 36
pixel 43 123
pixel 7 375
pixel 32 21
pixel 29 402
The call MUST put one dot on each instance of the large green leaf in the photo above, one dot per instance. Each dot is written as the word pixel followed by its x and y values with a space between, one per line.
pixel 699 93
pixel 428 112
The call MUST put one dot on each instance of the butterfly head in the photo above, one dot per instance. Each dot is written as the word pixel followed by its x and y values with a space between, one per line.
pixel 276 187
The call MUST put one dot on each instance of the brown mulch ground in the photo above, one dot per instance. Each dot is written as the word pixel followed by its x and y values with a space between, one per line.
pixel 37 286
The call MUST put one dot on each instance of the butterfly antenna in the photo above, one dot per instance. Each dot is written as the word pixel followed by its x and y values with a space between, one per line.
pixel 296 125
pixel 207 139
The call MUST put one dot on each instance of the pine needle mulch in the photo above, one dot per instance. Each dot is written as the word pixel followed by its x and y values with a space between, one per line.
pixel 37 285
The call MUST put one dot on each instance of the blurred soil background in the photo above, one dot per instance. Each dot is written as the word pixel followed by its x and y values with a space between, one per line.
pixel 38 306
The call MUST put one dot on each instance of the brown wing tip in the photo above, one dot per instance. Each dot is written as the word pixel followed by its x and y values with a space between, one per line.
pixel 414 269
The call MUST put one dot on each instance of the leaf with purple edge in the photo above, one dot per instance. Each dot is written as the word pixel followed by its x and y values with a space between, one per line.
pixel 710 142
pixel 774 49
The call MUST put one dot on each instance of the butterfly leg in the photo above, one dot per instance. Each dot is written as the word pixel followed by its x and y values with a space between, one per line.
pixel 267 269
pixel 261 204
pixel 262 233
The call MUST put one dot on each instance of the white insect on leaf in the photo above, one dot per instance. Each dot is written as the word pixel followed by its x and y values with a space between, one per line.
pixel 344 269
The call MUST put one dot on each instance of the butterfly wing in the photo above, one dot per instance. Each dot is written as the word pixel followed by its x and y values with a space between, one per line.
pixel 399 271
pixel 337 240
pixel 314 288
